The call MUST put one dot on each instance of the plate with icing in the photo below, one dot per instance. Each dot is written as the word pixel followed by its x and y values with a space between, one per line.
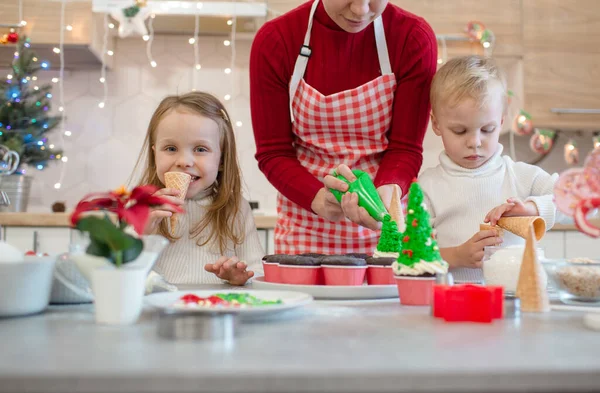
pixel 354 292
pixel 228 301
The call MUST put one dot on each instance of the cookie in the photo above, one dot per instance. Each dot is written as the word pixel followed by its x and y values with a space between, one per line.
pixel 299 260
pixel 385 261
pixel 342 260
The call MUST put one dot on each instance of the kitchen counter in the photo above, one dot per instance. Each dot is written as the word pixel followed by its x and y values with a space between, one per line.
pixel 370 346
pixel 62 220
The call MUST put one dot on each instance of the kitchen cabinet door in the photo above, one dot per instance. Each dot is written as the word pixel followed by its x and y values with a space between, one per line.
pixel 45 240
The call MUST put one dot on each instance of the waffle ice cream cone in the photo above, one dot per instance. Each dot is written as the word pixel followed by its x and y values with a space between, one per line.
pixel 520 226
pixel 396 212
pixel 530 287
pixel 485 227
pixel 179 181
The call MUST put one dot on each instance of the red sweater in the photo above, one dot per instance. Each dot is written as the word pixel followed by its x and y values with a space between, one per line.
pixel 339 61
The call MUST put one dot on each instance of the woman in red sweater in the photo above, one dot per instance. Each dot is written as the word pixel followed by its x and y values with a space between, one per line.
pixel 338 82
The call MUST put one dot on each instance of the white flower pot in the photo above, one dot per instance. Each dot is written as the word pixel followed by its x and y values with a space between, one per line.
pixel 118 294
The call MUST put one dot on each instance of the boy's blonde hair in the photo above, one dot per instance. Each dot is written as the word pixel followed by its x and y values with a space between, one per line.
pixel 221 219
pixel 467 77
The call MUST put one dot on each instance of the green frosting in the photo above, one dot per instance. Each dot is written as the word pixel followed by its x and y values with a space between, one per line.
pixel 389 240
pixel 368 197
pixel 244 298
pixel 418 241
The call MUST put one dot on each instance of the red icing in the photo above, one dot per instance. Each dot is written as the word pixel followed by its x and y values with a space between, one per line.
pixel 406 239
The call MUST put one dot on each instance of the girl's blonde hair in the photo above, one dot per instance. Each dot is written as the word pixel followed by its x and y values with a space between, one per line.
pixel 222 215
pixel 467 77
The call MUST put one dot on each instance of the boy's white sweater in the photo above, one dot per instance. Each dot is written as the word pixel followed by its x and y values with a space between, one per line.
pixel 459 199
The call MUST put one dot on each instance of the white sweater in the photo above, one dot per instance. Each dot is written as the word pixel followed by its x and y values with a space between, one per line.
pixel 183 261
pixel 459 199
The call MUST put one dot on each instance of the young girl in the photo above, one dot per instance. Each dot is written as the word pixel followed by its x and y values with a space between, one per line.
pixel 216 237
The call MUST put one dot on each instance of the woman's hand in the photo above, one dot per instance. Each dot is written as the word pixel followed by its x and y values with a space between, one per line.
pixel 157 214
pixel 349 205
pixel 230 269
pixel 512 208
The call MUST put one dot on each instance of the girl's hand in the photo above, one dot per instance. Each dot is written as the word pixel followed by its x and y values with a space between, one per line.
pixel 230 269
pixel 158 213
pixel 513 207
pixel 470 253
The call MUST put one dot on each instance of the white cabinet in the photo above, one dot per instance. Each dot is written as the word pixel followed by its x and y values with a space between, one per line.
pixel 579 245
pixel 51 240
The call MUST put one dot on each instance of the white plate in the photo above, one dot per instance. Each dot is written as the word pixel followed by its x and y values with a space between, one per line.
pixel 166 300
pixel 332 291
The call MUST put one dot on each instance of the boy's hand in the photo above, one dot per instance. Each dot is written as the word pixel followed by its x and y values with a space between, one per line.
pixel 158 213
pixel 470 253
pixel 230 269
pixel 513 207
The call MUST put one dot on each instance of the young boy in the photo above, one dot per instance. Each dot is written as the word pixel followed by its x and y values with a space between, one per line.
pixel 474 183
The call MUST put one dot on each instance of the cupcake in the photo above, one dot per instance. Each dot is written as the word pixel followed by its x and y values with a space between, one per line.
pixel 379 271
pixel 271 267
pixel 420 259
pixel 358 255
pixel 343 270
pixel 300 270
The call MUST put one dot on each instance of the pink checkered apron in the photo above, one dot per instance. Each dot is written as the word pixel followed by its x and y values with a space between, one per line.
pixel 349 128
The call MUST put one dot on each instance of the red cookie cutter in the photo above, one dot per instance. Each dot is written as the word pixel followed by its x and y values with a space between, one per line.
pixel 468 303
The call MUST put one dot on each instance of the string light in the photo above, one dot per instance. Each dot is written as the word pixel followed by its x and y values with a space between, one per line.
pixel 103 69
pixel 229 22
pixel 56 50
pixel 226 42
pixel 54 80
pixel 238 123
pixel 61 97
pixel 69 28
pixel 227 97
pixel 146 37
pixel 150 40
pixel 197 65
pixel 110 53
pixel 228 70
pixel 111 25
pixel 232 66
pixel 68 133
pixel 596 142
pixel 192 41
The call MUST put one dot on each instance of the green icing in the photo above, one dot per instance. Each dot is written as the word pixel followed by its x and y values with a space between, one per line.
pixel 418 242
pixel 389 240
pixel 244 298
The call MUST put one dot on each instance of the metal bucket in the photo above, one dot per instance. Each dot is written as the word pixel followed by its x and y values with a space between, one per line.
pixel 17 188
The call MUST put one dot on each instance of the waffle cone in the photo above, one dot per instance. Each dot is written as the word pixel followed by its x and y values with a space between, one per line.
pixel 396 212
pixel 487 227
pixel 530 287
pixel 179 181
pixel 520 226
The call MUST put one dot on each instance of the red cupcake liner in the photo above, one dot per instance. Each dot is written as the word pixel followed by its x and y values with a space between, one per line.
pixel 344 275
pixel 415 291
pixel 380 275
pixel 271 270
pixel 300 275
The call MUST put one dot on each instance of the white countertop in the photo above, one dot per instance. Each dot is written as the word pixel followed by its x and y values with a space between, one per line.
pixel 325 347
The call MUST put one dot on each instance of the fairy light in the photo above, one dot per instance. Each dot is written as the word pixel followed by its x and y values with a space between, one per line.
pixel 238 123
pixel 150 40
pixel 192 41
pixel 197 65
pixel 229 22
pixel 56 50
pixel 111 25
pixel 61 97
pixel 226 42
pixel 596 141
pixel 110 53
pixel 232 66
pixel 69 28
pixel 68 133
pixel 227 70
pixel 227 97
pixel 103 69
pixel 145 37
pixel 9 76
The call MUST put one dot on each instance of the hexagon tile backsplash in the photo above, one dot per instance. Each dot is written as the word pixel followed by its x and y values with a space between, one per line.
pixel 105 143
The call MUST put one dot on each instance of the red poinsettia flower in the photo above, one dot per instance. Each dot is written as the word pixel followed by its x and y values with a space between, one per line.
pixel 132 208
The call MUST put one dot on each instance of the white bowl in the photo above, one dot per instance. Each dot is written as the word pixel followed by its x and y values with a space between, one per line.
pixel 25 286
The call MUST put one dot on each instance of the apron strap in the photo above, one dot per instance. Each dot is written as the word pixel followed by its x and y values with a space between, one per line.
pixel 302 59
pixel 305 52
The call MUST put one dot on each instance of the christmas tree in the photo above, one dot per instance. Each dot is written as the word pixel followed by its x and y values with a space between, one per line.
pixel 24 110
pixel 389 240
pixel 418 242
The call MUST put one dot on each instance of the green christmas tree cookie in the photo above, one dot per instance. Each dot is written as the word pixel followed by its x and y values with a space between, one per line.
pixel 389 240
pixel 418 240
